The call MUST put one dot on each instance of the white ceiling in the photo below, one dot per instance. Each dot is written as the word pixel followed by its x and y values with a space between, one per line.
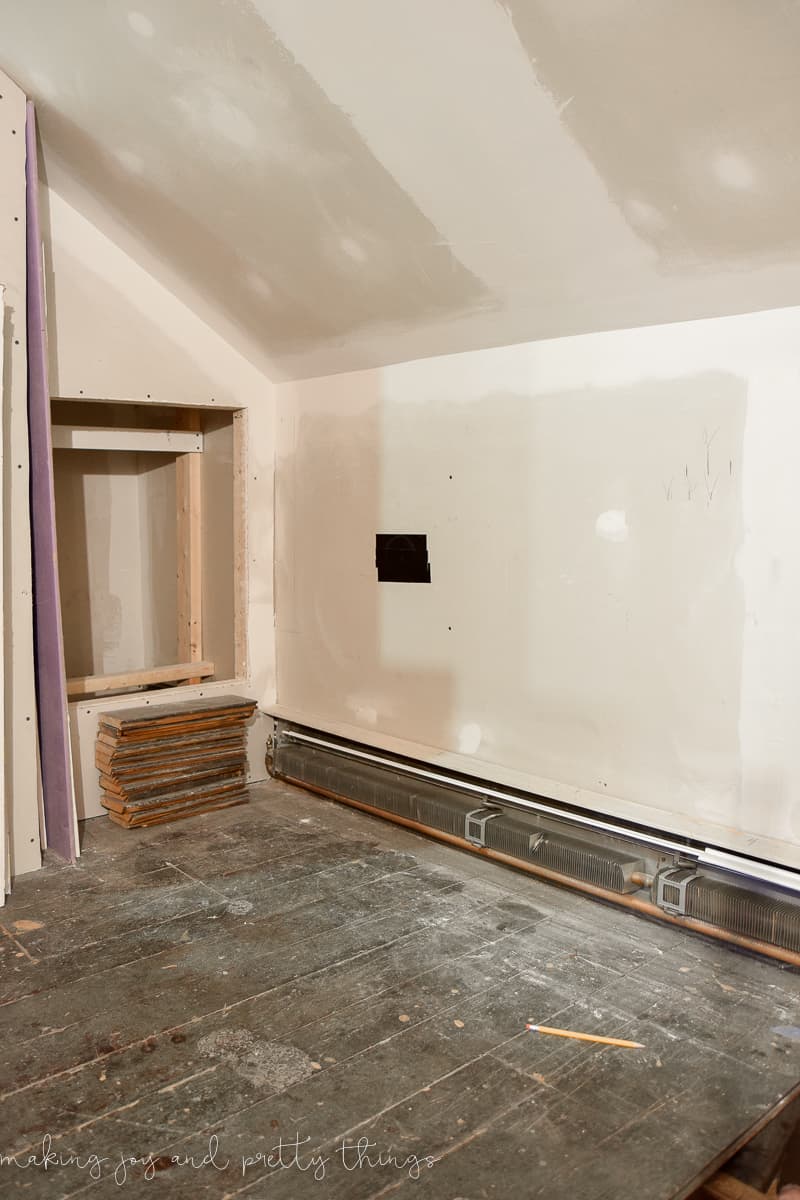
pixel 342 183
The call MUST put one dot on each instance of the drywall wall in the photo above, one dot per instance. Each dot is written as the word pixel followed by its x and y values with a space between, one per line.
pixel 379 181
pixel 117 553
pixel 20 756
pixel 118 334
pixel 611 617
pixel 158 547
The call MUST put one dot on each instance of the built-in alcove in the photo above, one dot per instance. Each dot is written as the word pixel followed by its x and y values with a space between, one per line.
pixel 148 518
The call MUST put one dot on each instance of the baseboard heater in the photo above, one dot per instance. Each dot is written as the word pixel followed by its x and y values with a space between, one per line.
pixel 749 903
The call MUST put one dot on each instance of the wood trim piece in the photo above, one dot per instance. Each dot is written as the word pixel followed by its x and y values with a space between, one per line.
pixel 88 437
pixel 189 494
pixel 87 685
pixel 240 572
pixel 725 1187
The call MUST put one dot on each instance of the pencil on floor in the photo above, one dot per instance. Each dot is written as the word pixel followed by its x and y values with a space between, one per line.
pixel 584 1037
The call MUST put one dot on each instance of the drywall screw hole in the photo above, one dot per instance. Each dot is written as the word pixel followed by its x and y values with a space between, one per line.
pixel 449 476
pixel 450 628
pixel 16 218
pixel 148 395
pixel 80 393
pixel 16 341
pixel 27 718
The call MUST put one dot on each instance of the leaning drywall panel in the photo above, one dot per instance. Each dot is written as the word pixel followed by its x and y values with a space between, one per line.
pixel 5 857
pixel 119 335
pixel 19 730
pixel 58 798
pixel 614 577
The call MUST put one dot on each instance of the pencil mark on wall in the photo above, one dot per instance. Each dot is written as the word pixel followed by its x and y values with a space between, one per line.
pixel 708 440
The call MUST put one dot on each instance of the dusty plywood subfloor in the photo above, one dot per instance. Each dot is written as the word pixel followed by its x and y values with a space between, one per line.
pixel 294 969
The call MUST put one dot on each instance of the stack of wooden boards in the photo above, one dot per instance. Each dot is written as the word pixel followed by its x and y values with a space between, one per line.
pixel 160 763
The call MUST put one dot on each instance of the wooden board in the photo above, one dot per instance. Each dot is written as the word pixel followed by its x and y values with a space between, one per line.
pixel 189 493
pixel 190 713
pixel 89 685
pixel 165 792
pixel 164 782
pixel 144 821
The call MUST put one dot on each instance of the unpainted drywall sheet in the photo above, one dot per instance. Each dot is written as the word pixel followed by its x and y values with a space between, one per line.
pixel 158 548
pixel 611 617
pixel 20 757
pixel 118 334
pixel 115 514
pixel 5 858
pixel 55 762
pixel 345 184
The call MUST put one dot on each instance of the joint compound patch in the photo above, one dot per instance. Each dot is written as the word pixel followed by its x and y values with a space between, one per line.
pixel 271 1065
pixel 612 525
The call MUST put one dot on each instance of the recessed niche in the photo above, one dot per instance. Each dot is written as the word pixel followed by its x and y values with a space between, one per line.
pixel 146 523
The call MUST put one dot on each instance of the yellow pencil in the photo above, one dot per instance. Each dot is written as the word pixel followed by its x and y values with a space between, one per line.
pixel 584 1037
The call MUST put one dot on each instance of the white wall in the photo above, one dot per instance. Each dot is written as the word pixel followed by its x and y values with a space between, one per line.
pixel 117 334
pixel 612 617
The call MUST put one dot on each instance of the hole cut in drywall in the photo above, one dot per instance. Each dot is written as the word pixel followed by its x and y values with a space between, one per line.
pixel 402 558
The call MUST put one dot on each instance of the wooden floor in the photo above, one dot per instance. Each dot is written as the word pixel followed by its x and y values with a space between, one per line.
pixel 296 970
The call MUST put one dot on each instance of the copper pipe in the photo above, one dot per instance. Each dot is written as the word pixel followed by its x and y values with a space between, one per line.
pixel 633 902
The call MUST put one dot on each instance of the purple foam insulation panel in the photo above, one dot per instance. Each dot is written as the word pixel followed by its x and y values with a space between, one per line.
pixel 51 684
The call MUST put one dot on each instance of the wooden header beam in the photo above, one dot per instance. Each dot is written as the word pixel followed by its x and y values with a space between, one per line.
pixel 89 437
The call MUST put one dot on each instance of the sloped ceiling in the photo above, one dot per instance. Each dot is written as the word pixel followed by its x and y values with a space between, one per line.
pixel 336 184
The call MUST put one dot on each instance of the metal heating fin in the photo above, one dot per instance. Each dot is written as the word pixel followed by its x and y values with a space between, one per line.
pixel 744 911
pixel 753 909
pixel 591 864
